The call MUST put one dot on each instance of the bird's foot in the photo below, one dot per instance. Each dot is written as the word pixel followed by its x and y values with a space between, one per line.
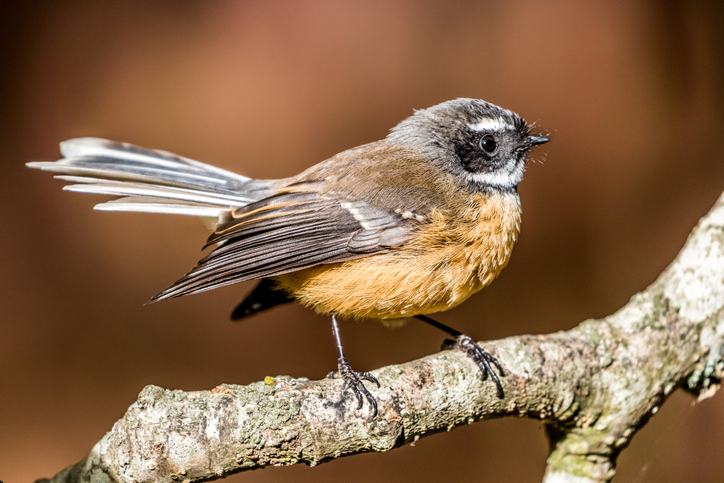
pixel 353 380
pixel 480 356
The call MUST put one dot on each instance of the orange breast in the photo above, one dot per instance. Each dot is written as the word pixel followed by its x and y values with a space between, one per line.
pixel 453 257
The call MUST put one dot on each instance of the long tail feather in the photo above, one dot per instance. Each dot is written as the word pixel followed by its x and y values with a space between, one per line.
pixel 150 181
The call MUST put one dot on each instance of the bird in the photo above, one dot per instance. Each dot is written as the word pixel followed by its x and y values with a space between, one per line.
pixel 406 226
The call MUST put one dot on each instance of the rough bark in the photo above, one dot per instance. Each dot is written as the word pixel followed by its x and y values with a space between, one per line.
pixel 593 387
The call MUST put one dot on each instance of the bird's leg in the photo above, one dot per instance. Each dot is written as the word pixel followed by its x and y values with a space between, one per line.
pixel 466 344
pixel 353 379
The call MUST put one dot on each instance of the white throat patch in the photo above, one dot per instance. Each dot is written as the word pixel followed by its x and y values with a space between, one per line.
pixel 506 177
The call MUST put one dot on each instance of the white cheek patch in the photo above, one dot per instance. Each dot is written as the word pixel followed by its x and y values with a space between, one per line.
pixel 491 124
pixel 507 177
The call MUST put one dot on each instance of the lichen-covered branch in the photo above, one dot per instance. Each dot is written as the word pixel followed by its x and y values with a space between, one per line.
pixel 593 386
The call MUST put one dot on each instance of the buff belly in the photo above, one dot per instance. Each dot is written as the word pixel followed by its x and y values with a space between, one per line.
pixel 439 269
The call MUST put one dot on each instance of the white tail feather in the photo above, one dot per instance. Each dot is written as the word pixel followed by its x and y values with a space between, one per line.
pixel 127 205
pixel 98 147
pixel 120 188
pixel 149 181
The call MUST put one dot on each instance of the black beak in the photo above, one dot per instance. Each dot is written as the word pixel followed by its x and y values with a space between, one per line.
pixel 535 140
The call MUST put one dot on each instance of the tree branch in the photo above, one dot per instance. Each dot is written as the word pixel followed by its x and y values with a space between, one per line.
pixel 593 387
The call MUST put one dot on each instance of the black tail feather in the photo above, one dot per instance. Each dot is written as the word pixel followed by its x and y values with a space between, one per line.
pixel 263 297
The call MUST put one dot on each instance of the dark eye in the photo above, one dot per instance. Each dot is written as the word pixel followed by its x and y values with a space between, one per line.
pixel 488 144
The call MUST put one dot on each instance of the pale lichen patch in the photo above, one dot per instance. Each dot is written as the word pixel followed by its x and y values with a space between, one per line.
pixel 518 361
pixel 212 428
pixel 696 286
pixel 631 317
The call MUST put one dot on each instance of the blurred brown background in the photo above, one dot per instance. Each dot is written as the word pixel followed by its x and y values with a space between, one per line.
pixel 630 91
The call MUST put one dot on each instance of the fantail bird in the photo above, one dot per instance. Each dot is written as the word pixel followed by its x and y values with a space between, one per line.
pixel 406 226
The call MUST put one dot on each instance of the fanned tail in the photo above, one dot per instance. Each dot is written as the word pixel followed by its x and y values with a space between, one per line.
pixel 150 181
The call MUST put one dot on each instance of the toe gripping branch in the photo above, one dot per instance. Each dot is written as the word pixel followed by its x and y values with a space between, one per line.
pixel 352 379
pixel 465 343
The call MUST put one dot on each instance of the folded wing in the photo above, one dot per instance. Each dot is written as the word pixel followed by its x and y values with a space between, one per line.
pixel 288 232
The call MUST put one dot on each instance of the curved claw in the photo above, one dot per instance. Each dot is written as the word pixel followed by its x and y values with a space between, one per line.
pixel 368 377
pixel 483 359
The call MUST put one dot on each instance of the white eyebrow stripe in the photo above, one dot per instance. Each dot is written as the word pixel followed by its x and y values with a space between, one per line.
pixel 490 124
